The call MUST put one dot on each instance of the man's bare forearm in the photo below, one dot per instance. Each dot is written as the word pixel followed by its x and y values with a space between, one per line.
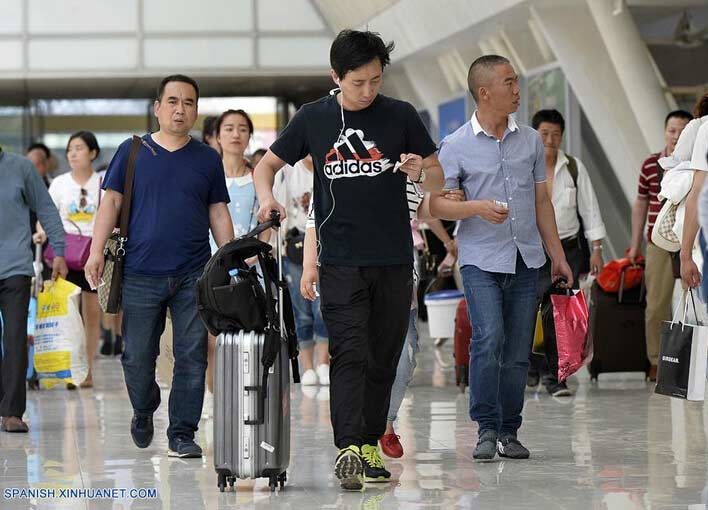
pixel 263 181
pixel 690 222
pixel 546 222
pixel 106 220
pixel 434 178
pixel 639 218
pixel 437 228
pixel 264 176
pixel 310 248
pixel 446 209
pixel 220 223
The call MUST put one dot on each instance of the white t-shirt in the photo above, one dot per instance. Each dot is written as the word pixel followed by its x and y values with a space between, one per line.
pixel 684 146
pixel 293 189
pixel 76 203
pixel 699 161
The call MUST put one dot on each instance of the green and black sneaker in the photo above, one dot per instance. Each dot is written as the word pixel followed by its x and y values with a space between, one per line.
pixel 374 469
pixel 349 468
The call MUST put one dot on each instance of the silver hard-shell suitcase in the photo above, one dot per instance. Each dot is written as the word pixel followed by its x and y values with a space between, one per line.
pixel 251 433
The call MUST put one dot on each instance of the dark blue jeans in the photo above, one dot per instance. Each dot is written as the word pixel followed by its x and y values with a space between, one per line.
pixel 145 304
pixel 501 308
pixel 309 324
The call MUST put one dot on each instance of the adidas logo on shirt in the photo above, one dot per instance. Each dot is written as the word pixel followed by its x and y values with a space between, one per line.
pixel 355 157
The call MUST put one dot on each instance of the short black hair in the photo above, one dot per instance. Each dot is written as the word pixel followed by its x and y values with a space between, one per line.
pixel 479 71
pixel 352 49
pixel 259 152
pixel 208 127
pixel 41 147
pixel 176 77
pixel 552 116
pixel 222 118
pixel 678 114
pixel 89 139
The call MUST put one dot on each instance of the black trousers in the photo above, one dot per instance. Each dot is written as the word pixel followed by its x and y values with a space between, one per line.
pixel 574 256
pixel 366 311
pixel 14 305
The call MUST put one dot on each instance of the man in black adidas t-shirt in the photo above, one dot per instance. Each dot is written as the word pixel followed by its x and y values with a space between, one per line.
pixel 359 140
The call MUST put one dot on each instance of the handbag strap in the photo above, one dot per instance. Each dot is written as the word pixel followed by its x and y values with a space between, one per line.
pixel 684 298
pixel 78 228
pixel 128 187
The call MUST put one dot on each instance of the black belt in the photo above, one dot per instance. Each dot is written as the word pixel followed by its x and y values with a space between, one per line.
pixel 570 242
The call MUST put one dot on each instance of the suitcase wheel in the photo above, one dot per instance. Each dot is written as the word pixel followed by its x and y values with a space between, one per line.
pixel 222 482
pixel 272 483
pixel 595 368
pixel 282 479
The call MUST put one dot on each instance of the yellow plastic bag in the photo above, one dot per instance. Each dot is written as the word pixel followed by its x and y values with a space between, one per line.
pixel 539 347
pixel 59 339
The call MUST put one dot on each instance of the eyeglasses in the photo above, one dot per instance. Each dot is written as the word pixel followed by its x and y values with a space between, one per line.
pixel 83 201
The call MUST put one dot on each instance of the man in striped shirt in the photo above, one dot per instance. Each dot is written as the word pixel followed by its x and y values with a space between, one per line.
pixel 659 276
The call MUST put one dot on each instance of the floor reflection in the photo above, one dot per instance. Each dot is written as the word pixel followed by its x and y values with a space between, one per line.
pixel 614 445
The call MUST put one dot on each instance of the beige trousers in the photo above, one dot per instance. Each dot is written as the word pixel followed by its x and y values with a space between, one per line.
pixel 659 281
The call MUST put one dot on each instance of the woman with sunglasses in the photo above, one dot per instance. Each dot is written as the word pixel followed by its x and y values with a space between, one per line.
pixel 76 195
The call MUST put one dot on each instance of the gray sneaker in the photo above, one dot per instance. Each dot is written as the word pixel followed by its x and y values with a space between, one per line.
pixel 486 447
pixel 510 447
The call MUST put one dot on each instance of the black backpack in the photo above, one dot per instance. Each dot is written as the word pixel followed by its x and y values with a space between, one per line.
pixel 246 305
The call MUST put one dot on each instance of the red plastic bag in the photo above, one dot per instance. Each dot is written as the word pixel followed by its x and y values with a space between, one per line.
pixel 570 313
pixel 610 276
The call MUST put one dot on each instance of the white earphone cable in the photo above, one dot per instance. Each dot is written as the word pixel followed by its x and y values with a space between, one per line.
pixel 332 92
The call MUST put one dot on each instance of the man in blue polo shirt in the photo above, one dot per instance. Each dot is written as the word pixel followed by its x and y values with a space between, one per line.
pixel 179 193
pixel 508 214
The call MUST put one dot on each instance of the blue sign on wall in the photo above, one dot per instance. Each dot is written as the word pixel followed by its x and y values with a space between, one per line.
pixel 451 114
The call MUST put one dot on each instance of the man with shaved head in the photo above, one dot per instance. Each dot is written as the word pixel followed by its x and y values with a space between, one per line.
pixel 506 220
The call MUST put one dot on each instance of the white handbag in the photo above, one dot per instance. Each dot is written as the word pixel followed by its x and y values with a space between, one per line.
pixel 663 234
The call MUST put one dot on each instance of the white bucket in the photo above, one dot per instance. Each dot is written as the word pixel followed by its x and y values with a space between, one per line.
pixel 442 306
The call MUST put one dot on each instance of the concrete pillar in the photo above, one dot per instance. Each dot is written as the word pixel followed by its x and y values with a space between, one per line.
pixel 634 67
pixel 611 100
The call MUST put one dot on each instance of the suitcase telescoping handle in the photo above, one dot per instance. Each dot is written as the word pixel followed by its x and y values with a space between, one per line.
pixel 260 413
pixel 275 217
pixel 273 222
pixel 642 289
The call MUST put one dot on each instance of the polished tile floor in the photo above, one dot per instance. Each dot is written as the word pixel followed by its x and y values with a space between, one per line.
pixel 615 445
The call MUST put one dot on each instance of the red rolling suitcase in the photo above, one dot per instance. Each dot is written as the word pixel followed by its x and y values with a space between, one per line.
pixel 463 337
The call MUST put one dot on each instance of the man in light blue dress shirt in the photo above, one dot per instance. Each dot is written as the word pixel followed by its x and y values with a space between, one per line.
pixel 507 218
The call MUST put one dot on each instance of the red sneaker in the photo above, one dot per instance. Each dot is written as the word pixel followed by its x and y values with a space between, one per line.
pixel 391 446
